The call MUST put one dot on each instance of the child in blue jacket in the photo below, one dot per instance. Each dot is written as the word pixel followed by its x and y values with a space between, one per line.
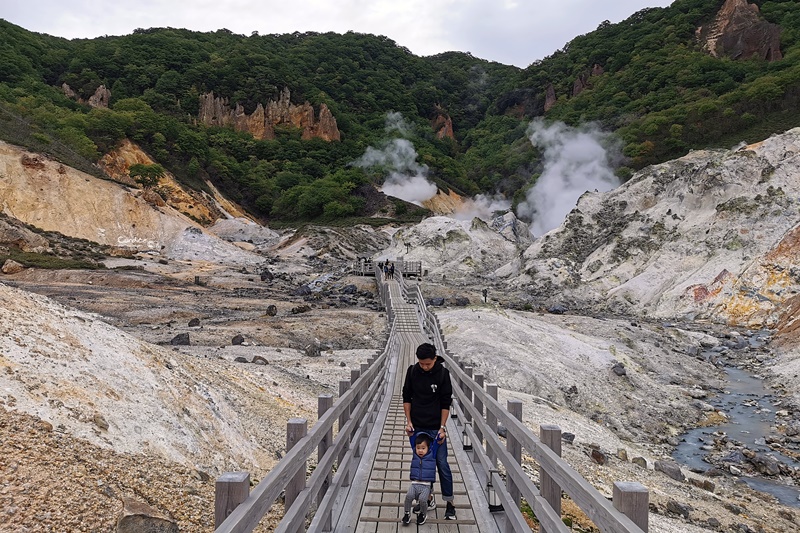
pixel 423 474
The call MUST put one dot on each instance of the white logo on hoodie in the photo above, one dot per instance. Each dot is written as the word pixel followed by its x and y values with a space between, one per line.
pixel 434 387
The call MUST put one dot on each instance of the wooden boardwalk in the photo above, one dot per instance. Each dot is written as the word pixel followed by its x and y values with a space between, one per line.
pixel 361 476
pixel 384 474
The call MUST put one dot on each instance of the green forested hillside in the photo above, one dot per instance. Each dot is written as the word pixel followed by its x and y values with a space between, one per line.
pixel 657 90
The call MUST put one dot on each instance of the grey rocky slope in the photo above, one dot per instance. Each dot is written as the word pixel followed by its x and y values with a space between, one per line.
pixel 711 235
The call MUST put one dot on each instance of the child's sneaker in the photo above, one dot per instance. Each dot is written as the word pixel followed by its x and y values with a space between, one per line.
pixel 406 519
pixel 421 518
pixel 431 506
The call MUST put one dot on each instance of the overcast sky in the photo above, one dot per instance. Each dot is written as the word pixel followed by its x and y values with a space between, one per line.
pixel 515 32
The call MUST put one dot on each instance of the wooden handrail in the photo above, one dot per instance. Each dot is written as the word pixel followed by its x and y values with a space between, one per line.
pixel 356 406
pixel 248 514
pixel 597 508
pixel 296 514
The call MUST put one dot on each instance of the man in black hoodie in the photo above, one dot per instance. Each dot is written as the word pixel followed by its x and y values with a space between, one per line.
pixel 427 395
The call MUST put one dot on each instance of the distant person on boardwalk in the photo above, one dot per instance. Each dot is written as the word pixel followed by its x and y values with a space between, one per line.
pixel 391 270
pixel 386 270
pixel 427 395
pixel 423 474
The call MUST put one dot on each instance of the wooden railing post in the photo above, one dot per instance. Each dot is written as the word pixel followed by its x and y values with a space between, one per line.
pixel 491 419
pixel 632 500
pixel 231 489
pixel 456 383
pixel 467 392
pixel 354 375
pixel 324 403
pixel 479 406
pixel 296 429
pixel 344 385
pixel 550 436
pixel 514 448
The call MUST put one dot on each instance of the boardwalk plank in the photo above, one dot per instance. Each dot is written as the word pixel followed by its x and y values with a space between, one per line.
pixel 388 480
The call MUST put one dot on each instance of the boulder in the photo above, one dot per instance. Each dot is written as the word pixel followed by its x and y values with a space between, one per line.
pixel 11 267
pixel 313 350
pixel 138 517
pixel 303 290
pixel 272 310
pixel 671 469
pixel 153 198
pixel 679 508
pixel 349 289
pixel 193 323
pixel 598 456
pixel 181 339
pixel 766 464
pixel 237 340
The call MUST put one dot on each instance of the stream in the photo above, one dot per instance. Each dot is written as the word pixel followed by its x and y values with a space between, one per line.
pixel 749 406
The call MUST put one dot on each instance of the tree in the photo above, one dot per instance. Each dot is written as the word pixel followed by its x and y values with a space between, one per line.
pixel 146 175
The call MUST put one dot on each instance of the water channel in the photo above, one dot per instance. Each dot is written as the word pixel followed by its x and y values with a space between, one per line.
pixel 749 406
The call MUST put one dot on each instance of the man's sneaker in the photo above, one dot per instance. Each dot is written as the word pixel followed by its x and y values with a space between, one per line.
pixel 431 506
pixel 406 519
pixel 421 518
pixel 450 512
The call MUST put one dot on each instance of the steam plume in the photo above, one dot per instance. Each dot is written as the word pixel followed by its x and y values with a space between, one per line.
pixel 483 207
pixel 406 179
pixel 576 160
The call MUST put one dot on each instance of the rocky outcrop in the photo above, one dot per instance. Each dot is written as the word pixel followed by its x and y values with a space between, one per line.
pixel 712 235
pixel 460 249
pixel 81 206
pixel 583 81
pixel 217 111
pixel 442 124
pixel 18 236
pixel 193 203
pixel 739 32
pixel 550 98
pixel 100 98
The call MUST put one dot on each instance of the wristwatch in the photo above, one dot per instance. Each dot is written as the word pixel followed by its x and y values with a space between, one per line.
pixel 442 427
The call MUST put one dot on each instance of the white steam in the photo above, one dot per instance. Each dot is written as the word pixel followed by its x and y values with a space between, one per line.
pixel 406 178
pixel 576 160
pixel 483 207
pixel 396 122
